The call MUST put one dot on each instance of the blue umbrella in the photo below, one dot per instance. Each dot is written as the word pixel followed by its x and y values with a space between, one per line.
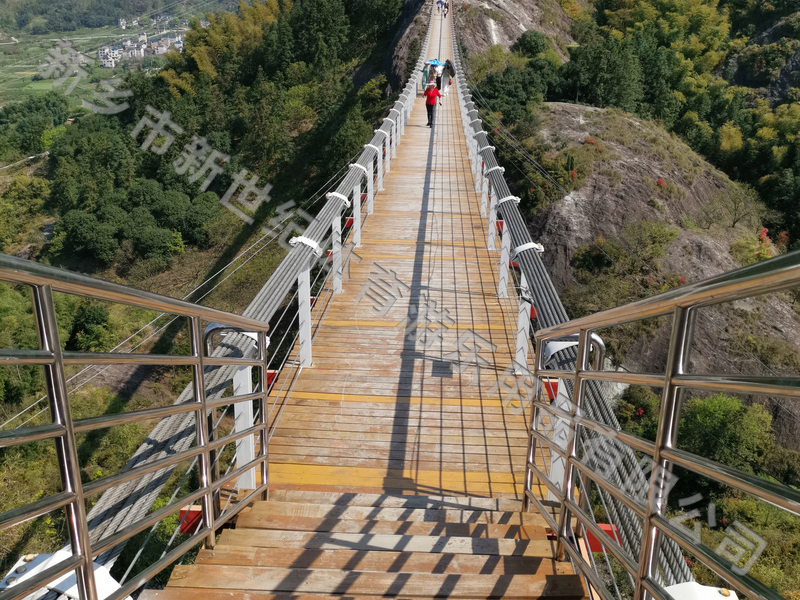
pixel 435 62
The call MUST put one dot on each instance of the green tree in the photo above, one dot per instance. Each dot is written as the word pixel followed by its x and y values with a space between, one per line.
pixel 604 72
pixel 171 211
pixel 352 135
pixel 530 43
pixel 117 218
pixel 90 331
pixel 90 161
pixel 205 208
pixel 51 135
pixel 155 243
pixel 724 430
pixel 86 235
pixel 321 28
pixel 31 132
pixel 371 18
pixel 19 205
pixel 277 47
pixel 145 193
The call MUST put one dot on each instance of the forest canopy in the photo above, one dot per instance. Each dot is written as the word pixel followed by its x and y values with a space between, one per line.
pixel 668 61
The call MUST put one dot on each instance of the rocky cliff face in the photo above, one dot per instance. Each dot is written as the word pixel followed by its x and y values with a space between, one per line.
pixel 620 191
pixel 407 43
pixel 490 22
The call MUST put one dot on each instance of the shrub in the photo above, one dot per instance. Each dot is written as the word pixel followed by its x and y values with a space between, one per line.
pixel 772 351
pixel 637 411
pixel 614 177
pixel 750 249
pixel 657 205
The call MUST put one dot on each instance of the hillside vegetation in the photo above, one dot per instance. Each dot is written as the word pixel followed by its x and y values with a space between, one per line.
pixel 665 61
pixel 48 16
pixel 271 86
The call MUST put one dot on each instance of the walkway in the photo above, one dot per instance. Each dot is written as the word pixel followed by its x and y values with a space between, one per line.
pixel 392 474
pixel 378 411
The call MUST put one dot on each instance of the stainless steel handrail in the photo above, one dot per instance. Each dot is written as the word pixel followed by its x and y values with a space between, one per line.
pixel 44 280
pixel 681 304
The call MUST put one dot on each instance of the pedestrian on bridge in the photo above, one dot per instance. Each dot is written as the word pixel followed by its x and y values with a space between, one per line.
pixel 447 76
pixel 439 69
pixel 431 94
pixel 424 81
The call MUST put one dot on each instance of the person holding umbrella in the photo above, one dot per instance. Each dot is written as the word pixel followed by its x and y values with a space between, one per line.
pixel 424 81
pixel 449 74
pixel 431 94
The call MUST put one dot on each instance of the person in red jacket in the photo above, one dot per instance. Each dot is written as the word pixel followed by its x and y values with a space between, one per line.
pixel 431 94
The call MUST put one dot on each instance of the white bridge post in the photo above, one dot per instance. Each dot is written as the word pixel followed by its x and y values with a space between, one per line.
pixel 243 419
pixel 492 222
pixel 304 313
pixel 505 258
pixel 357 214
pixel 336 254
pixel 523 323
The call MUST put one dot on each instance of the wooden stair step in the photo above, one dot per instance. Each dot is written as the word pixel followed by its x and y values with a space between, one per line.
pixel 266 538
pixel 428 528
pixel 383 562
pixel 394 500
pixel 414 585
pixel 209 594
pixel 372 513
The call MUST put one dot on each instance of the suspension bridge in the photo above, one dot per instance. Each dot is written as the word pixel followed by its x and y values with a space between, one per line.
pixel 417 439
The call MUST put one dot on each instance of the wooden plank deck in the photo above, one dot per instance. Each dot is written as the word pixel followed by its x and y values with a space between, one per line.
pixel 377 411
pixel 390 476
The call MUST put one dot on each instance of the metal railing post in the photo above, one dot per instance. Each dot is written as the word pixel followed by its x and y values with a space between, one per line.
pixel 473 151
pixel 505 258
pixel 304 313
pixel 387 143
pixel 66 448
pixel 492 223
pixel 484 196
pixel 386 156
pixel 203 437
pixel 567 492
pixel 398 125
pixel 531 458
pixel 263 437
pixel 336 254
pixel 357 214
pixel 370 190
pixel 243 420
pixel 481 166
pixel 379 154
pixel 666 438
pixel 368 176
pixel 523 323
